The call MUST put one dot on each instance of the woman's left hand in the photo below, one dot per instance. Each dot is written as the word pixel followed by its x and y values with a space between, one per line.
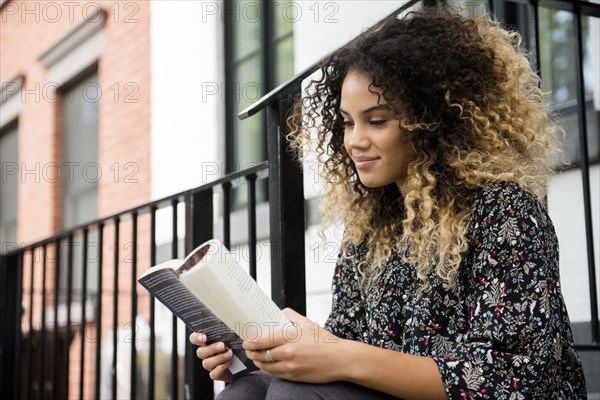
pixel 301 352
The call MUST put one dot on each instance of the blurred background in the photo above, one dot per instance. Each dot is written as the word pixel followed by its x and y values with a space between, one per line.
pixel 111 110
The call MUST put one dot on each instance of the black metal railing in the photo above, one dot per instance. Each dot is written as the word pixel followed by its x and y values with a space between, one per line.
pixel 510 15
pixel 53 361
pixel 36 363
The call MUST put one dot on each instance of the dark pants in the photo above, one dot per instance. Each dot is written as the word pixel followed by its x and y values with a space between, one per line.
pixel 263 387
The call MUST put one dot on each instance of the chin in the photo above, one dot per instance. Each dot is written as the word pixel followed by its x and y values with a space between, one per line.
pixel 373 184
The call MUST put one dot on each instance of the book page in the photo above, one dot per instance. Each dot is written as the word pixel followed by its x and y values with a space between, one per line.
pixel 164 284
pixel 171 264
pixel 227 289
pixel 259 308
pixel 166 287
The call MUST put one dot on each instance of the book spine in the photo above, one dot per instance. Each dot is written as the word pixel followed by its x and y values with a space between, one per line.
pixel 166 287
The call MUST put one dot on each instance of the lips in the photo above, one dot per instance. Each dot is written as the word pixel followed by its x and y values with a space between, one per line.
pixel 362 162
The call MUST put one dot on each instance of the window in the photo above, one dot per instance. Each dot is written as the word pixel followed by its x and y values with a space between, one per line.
pixel 8 185
pixel 71 64
pixel 80 151
pixel 558 63
pixel 258 57
pixel 81 174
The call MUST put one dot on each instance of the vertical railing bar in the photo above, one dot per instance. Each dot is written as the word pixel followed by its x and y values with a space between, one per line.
pixel 17 327
pixel 174 352
pixel 189 357
pixel 585 167
pixel 115 326
pixel 99 311
pixel 29 369
pixel 199 213
pixel 536 31
pixel 55 347
pixel 252 223
pixel 227 214
pixel 286 209
pixel 152 356
pixel 42 377
pixel 174 244
pixel 68 306
pixel 5 313
pixel 491 8
pixel 276 222
pixel 134 224
pixel 84 267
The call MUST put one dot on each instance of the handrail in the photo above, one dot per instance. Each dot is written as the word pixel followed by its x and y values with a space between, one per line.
pixel 587 8
pixel 233 178
pixel 287 230
pixel 278 93
pixel 283 89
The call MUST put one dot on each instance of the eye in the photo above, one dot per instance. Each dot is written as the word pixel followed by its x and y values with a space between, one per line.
pixel 378 122
pixel 347 124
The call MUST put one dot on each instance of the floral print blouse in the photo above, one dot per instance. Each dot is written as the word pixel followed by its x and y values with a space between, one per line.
pixel 503 334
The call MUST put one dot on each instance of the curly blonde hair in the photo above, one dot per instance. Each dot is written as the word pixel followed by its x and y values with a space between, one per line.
pixel 473 112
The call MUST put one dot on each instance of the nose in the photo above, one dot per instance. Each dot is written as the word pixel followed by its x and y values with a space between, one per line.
pixel 356 137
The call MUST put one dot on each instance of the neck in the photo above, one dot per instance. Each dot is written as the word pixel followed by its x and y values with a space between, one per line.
pixel 401 187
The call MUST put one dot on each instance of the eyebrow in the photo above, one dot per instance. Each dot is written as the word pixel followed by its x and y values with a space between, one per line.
pixel 370 109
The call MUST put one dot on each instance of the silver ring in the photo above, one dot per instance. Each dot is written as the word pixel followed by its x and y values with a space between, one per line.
pixel 269 356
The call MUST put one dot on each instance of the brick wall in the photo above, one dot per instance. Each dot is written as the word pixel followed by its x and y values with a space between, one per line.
pixel 28 29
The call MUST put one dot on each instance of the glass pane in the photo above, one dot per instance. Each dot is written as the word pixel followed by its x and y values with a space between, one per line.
pixel 91 285
pixel 81 171
pixel 247 19
pixel 82 207
pixel 249 140
pixel 557 54
pixel 247 137
pixel 591 77
pixel 471 7
pixel 9 159
pixel 557 62
pixel 284 58
pixel 525 23
pixel 285 14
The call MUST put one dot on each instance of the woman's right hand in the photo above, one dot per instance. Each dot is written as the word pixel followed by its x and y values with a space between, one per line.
pixel 215 357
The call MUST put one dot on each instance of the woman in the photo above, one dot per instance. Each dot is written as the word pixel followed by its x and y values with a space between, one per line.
pixel 434 140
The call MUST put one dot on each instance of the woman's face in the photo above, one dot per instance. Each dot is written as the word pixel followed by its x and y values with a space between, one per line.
pixel 372 135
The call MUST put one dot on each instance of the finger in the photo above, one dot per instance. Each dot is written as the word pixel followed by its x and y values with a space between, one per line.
pixel 292 314
pixel 198 339
pixel 210 350
pixel 261 356
pixel 253 355
pixel 274 339
pixel 256 345
pixel 297 320
pixel 211 363
pixel 271 368
pixel 221 373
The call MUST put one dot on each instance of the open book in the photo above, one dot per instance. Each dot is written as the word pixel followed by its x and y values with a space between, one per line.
pixel 211 293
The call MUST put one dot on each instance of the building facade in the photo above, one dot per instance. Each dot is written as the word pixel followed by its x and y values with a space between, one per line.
pixel 106 105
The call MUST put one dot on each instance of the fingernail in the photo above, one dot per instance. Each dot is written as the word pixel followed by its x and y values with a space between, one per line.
pixel 228 354
pixel 220 346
